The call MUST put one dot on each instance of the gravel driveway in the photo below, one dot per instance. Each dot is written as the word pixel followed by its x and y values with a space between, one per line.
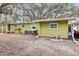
pixel 28 45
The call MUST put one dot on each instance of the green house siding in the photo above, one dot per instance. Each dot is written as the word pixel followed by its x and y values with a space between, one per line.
pixel 61 31
pixel 43 28
pixel 23 27
pixel 15 29
pixel 12 28
pixel 27 27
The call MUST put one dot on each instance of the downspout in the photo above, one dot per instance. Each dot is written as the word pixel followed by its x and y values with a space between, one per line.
pixel 72 34
pixel 6 24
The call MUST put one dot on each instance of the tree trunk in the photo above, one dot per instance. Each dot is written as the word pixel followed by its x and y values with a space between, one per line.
pixel 6 28
pixel 2 28
pixel 72 33
pixel 6 24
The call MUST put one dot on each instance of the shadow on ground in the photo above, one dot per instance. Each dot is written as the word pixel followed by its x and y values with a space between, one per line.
pixel 28 45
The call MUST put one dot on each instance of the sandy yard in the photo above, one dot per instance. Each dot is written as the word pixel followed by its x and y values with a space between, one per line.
pixel 28 45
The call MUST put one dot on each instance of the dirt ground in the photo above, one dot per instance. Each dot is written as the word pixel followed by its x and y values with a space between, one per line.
pixel 28 45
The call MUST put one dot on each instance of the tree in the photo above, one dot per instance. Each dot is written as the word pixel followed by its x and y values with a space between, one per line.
pixel 35 11
pixel 2 7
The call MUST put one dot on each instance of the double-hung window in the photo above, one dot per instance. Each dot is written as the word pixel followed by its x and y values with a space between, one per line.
pixel 53 25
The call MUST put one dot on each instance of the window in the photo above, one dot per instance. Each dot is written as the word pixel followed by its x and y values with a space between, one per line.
pixel 53 25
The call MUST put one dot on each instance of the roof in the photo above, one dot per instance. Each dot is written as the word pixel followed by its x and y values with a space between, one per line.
pixel 20 23
pixel 45 20
pixel 75 22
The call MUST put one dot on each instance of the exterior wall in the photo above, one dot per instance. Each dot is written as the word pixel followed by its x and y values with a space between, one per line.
pixel 12 27
pixel 43 28
pixel 62 30
pixel 23 29
pixel 27 27
pixel 15 29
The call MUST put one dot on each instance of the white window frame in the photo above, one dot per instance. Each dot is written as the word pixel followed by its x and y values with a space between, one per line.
pixel 53 28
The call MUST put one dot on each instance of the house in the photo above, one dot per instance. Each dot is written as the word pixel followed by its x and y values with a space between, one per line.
pixel 53 28
pixel 20 27
pixel 16 27
pixel 45 27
